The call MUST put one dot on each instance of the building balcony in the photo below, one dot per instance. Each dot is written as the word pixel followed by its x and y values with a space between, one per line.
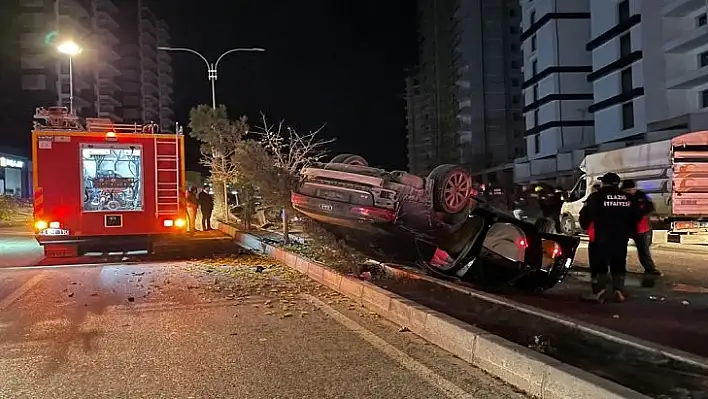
pixel 149 50
pixel 130 74
pixel 107 68
pixel 165 69
pixel 107 37
pixel 73 7
pixel 162 33
pixel 165 75
pixel 164 57
pixel 688 80
pixel 149 75
pixel 688 42
pixel 107 5
pixel 110 115
pixel 74 27
pixel 148 63
pixel 105 20
pixel 109 99
pixel 165 99
pixel 109 54
pixel 681 8
pixel 166 89
pixel 108 84
pixel 147 25
pixel 150 92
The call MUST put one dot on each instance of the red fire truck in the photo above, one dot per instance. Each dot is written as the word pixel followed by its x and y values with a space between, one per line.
pixel 102 186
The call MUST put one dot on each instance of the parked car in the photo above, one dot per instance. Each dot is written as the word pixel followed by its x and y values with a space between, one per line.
pixel 437 222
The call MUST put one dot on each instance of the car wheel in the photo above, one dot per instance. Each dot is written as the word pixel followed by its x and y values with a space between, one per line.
pixel 350 159
pixel 452 188
pixel 567 225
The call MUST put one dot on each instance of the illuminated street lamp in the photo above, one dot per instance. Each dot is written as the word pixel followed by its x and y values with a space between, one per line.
pixel 71 49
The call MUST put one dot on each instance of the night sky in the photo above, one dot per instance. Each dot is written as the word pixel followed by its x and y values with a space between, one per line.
pixel 335 62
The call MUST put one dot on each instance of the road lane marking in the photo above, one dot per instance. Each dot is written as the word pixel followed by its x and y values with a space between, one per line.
pixel 449 388
pixel 16 294
pixel 97 264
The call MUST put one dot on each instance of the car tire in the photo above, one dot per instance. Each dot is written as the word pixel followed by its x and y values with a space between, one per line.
pixel 568 225
pixel 452 188
pixel 350 159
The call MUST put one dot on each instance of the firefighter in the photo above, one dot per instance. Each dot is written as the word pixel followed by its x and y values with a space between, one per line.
pixel 497 196
pixel 610 216
pixel 192 205
pixel 642 236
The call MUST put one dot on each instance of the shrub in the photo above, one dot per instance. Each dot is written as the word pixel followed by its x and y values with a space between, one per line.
pixel 8 208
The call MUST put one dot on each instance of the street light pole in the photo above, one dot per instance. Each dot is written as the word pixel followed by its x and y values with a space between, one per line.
pixel 71 84
pixel 71 49
pixel 212 76
pixel 212 66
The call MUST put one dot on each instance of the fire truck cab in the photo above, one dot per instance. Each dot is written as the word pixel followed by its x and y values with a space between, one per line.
pixel 104 186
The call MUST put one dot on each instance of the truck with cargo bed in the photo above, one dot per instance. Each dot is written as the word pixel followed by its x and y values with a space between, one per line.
pixel 674 174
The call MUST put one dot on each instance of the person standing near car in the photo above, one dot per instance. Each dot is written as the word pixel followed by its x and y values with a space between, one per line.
pixel 610 216
pixel 206 204
pixel 642 235
pixel 192 206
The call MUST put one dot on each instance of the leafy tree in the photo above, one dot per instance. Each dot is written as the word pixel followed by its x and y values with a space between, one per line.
pixel 272 163
pixel 219 137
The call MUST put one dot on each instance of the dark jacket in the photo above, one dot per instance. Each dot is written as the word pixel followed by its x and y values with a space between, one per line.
pixel 647 207
pixel 191 198
pixel 611 214
pixel 206 201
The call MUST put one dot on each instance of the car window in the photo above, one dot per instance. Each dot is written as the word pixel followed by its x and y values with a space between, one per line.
pixel 506 240
pixel 464 235
pixel 582 188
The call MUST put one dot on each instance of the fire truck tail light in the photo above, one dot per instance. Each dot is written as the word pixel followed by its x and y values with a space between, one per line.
pixel 111 134
pixel 168 222
pixel 180 222
pixel 54 225
pixel 40 225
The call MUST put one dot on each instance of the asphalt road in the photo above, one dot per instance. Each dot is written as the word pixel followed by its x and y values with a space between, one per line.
pixel 18 247
pixel 679 264
pixel 232 328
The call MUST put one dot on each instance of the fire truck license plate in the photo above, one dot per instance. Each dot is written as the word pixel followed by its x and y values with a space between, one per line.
pixel 55 232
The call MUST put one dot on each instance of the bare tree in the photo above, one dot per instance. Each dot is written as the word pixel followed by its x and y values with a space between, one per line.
pixel 219 137
pixel 273 162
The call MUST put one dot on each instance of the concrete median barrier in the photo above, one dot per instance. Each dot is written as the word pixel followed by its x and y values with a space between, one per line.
pixel 535 373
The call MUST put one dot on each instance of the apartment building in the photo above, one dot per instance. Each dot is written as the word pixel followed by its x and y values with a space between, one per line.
pixel 42 74
pixel 105 74
pixel 648 79
pixel 146 74
pixel 165 78
pixel 557 92
pixel 464 100
pixel 36 74
pixel 669 71
pixel 433 138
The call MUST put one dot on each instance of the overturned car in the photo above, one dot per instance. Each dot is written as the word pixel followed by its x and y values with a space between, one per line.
pixel 437 223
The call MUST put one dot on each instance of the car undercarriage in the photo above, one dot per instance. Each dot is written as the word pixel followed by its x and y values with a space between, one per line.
pixel 436 223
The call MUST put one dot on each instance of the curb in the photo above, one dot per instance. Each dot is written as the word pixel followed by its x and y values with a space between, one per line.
pixel 538 375
pixel 588 328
